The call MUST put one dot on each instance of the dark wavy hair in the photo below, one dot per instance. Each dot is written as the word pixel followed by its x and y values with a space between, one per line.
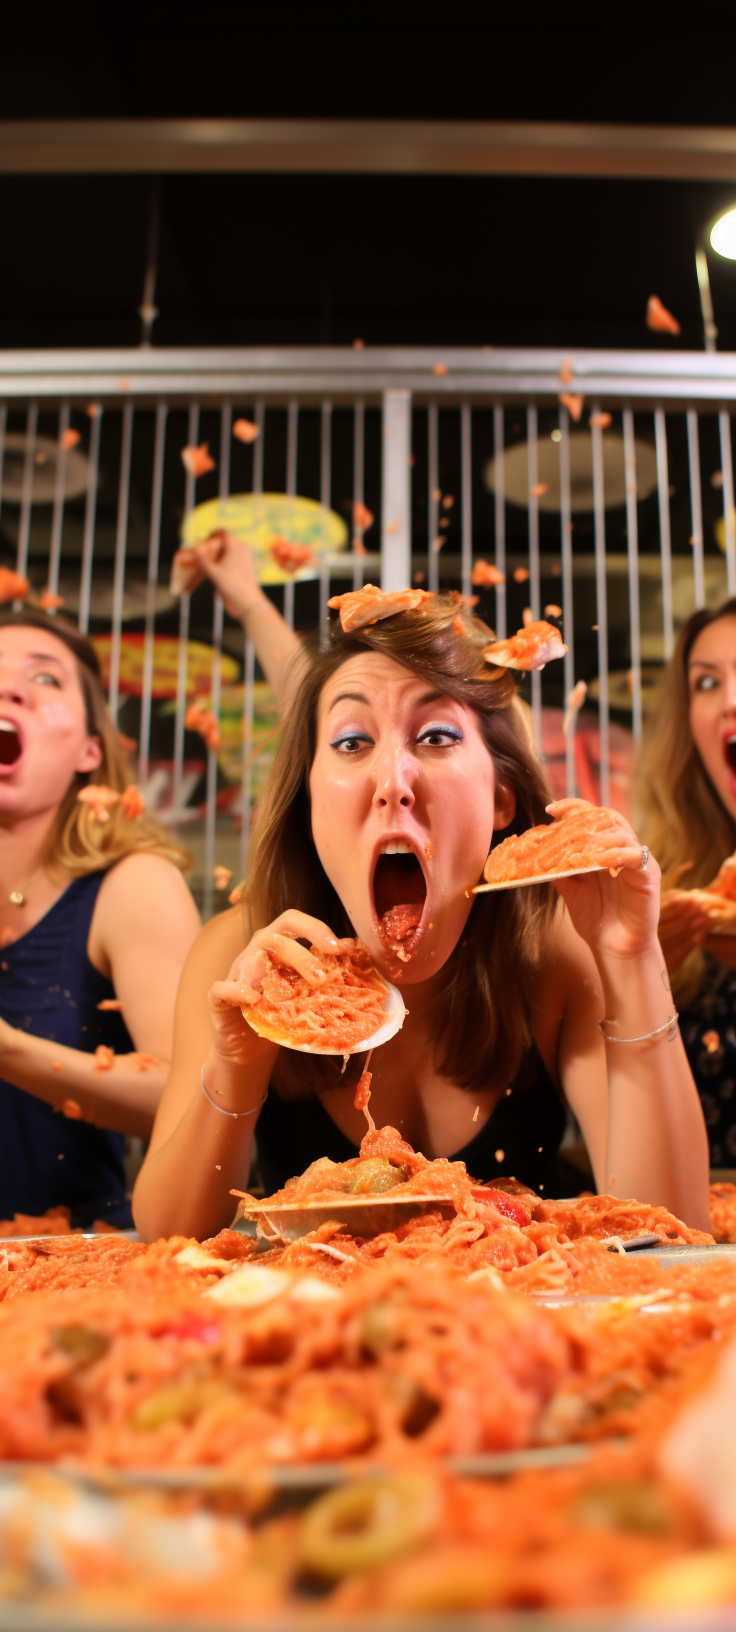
pixel 481 1022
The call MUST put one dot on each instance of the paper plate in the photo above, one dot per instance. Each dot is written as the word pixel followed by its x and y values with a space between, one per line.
pixel 366 1216
pixel 395 1009
pixel 539 878
pixel 256 519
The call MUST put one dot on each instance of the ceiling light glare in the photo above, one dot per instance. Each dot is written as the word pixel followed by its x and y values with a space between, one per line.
pixel 723 236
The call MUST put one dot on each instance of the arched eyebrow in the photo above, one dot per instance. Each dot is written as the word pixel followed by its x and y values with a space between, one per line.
pixel 360 697
pixel 699 663
pixel 348 697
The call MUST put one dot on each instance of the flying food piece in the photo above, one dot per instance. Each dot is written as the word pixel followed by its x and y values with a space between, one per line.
pixel 486 576
pixel 419 578
pixel 437 543
pixel 72 1110
pixel 100 799
pixel 70 439
pixel 574 703
pixel 539 489
pixel 521 575
pixel 362 516
pixel 552 611
pixel 335 1004
pixel 222 877
pixel 7 936
pixel 94 411
pixel 583 838
pixel 290 557
pixel 142 1061
pixel 110 1005
pixel 573 402
pixel 132 803
pixel 717 479
pixel 527 617
pixel 448 501
pixel 49 602
pixel 370 605
pixel 565 374
pixel 530 648
pixel 712 1041
pixel 12 586
pixel 235 897
pixel 440 368
pixel 197 461
pixel 358 345
pixel 659 319
pixel 600 422
pixel 104 1059
pixel 202 720
pixel 245 430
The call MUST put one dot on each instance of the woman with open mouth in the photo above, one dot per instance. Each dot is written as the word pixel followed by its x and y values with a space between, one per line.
pixel 95 923
pixel 685 797
pixel 403 755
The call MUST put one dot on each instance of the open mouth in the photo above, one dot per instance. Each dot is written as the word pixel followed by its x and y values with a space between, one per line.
pixel 11 746
pixel 399 894
pixel 729 748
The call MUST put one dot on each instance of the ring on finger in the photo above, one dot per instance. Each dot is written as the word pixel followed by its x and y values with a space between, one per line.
pixel 643 864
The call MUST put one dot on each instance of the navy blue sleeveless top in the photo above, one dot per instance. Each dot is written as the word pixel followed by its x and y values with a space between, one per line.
pixel 520 1140
pixel 49 987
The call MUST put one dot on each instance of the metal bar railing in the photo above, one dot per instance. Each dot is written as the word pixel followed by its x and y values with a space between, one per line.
pixel 500 519
pixel 568 625
pixel 154 545
pixel 325 498
pixel 601 597
pixel 665 543
pixel 696 507
pixel 57 518
pixel 218 619
pixel 466 460
pixel 190 489
pixel 534 583
pixel 292 436
pixel 26 501
pixel 358 487
pixel 90 516
pixel 632 534
pixel 729 518
pixel 433 499
pixel 121 539
pixel 249 666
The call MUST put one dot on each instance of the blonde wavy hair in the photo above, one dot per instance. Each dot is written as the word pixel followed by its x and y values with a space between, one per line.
pixel 79 843
pixel 677 811
pixel 480 1025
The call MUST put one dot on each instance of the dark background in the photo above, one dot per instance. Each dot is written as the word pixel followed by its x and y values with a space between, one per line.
pixel 284 259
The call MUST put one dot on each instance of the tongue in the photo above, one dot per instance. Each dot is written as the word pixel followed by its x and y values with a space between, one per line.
pixel 400 922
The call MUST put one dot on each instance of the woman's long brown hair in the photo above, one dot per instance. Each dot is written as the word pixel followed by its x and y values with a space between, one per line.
pixel 677 811
pixel 481 1022
pixel 79 843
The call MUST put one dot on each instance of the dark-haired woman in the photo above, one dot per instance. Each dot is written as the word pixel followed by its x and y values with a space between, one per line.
pixel 685 795
pixel 95 923
pixel 401 734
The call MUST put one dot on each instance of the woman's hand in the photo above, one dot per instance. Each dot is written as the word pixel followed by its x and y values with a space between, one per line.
pixel 235 1040
pixel 616 916
pixel 229 566
pixel 683 926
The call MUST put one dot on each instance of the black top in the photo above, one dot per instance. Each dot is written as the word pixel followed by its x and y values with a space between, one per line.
pixel 294 1133
pixel 49 987
pixel 714 1068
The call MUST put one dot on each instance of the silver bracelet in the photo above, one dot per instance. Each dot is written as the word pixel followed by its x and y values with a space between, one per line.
pixel 221 1108
pixel 672 1022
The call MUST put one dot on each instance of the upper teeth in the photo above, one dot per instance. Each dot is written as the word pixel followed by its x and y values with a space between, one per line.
pixel 6 725
pixel 396 850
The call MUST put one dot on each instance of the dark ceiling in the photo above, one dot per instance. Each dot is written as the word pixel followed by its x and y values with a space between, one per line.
pixel 248 259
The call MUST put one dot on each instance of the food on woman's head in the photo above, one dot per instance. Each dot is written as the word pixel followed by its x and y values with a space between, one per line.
pixel 581 840
pixel 334 1004
pixel 530 648
pixel 369 605
pixel 290 557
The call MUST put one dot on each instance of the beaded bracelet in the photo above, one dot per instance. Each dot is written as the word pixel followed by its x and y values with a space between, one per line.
pixel 672 1022
pixel 221 1108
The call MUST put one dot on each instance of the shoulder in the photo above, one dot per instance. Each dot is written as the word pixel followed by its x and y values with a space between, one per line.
pixel 144 891
pixel 216 948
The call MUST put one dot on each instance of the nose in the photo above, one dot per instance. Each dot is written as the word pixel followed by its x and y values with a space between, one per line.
pixel 12 687
pixel 395 771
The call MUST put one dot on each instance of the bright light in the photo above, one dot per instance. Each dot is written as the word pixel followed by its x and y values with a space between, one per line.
pixel 556 436
pixel 723 236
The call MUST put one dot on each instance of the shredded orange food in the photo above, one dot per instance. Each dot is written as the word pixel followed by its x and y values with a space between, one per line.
pixel 580 838
pixel 532 647
pixel 345 1008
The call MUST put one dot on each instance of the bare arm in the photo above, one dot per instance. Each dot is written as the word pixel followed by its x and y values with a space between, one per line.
pixel 229 566
pixel 144 923
pixel 198 1154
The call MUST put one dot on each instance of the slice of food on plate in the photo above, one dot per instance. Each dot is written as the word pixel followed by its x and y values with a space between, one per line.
pixel 583 838
pixel 369 604
pixel 530 648
pixel 330 1004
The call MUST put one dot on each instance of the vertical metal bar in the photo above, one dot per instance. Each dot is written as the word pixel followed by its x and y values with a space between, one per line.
pixel 291 458
pixel 696 507
pixel 248 710
pixel 710 332
pixel 433 503
pixel 121 539
pixel 568 622
pixel 3 428
pixel 325 498
pixel 210 819
pixel 724 426
pixel 154 539
pixel 358 483
pixel 90 516
pixel 632 533
pixel 663 487
pixel 396 493
pixel 249 668
pixel 183 655
pixel 500 518
pixel 57 519
pixel 534 585
pixel 601 597
pixel 26 498
pixel 466 455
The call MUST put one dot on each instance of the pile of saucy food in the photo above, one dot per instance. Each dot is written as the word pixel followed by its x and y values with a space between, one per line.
pixel 584 836
pixel 334 1005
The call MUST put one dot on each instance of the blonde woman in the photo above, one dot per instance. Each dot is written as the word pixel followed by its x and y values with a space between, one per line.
pixel 685 804
pixel 402 756
pixel 95 918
